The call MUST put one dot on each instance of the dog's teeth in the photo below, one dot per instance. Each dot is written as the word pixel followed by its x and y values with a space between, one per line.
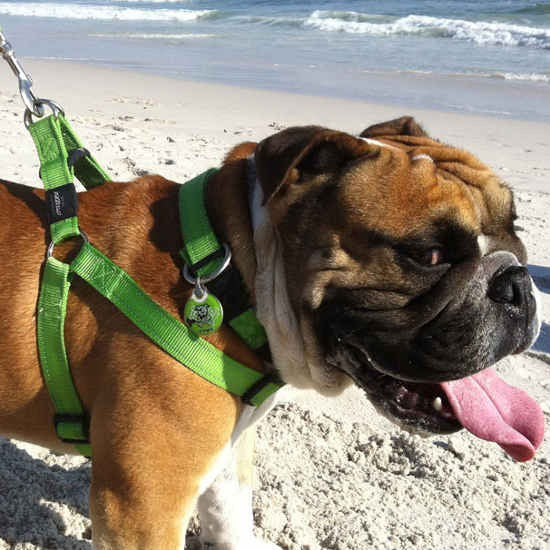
pixel 437 404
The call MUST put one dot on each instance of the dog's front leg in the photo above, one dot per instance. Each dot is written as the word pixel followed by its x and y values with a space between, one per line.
pixel 143 507
pixel 225 507
pixel 149 457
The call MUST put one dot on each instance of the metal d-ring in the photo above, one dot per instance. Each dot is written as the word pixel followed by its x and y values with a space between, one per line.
pixel 211 276
pixel 40 104
pixel 51 246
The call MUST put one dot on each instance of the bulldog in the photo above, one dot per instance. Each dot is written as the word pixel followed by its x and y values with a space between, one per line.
pixel 388 260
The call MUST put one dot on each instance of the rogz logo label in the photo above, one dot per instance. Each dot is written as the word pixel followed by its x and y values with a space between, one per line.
pixel 62 203
pixel 58 203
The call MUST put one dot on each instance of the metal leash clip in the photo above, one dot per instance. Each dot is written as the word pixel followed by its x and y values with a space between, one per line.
pixel 34 105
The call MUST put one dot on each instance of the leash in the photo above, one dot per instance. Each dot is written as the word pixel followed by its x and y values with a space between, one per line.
pixel 62 158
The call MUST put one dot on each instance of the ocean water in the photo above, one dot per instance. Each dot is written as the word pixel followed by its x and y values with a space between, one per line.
pixel 490 57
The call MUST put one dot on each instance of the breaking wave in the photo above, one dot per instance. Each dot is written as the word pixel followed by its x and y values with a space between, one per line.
pixel 101 13
pixel 480 32
pixel 532 77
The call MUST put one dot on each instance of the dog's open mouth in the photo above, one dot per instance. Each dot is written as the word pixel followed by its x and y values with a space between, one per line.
pixel 422 406
pixel 482 403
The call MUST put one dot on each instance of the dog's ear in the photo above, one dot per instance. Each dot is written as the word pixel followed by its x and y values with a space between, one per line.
pixel 296 154
pixel 403 126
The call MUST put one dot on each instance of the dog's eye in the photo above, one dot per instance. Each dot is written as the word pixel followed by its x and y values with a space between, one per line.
pixel 430 257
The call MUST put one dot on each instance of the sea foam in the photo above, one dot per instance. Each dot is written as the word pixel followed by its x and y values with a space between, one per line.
pixel 170 37
pixel 480 32
pixel 102 13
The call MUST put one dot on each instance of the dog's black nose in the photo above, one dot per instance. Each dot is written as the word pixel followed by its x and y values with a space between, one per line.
pixel 512 286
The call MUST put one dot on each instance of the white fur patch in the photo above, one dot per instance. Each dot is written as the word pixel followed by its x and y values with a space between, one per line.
pixel 273 307
pixel 484 242
pixel 225 511
pixel 225 504
pixel 379 143
pixel 422 156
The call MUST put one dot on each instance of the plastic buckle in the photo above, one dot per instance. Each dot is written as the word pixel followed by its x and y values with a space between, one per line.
pixel 76 155
pixel 257 387
pixel 80 419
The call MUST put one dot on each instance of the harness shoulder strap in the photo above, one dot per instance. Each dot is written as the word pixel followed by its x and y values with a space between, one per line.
pixel 203 255
pixel 56 145
pixel 70 420
pixel 166 331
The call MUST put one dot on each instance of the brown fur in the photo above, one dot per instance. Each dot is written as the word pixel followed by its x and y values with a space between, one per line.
pixel 152 441
pixel 386 192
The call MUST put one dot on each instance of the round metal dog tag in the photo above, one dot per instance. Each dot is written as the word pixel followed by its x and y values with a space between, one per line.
pixel 203 312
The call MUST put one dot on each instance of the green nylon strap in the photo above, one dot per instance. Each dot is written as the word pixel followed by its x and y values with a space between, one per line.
pixel 52 152
pixel 64 229
pixel 54 168
pixel 247 326
pixel 55 140
pixel 52 309
pixel 199 241
pixel 163 329
pixel 87 170
pixel 70 421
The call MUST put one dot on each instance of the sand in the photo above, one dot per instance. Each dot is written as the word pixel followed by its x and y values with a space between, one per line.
pixel 331 472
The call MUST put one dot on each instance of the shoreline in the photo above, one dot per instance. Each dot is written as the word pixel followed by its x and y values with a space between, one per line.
pixel 501 96
pixel 216 109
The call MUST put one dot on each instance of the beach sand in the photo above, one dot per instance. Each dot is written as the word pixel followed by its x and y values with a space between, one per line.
pixel 331 472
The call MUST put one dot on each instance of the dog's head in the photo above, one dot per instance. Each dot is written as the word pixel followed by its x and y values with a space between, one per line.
pixel 400 262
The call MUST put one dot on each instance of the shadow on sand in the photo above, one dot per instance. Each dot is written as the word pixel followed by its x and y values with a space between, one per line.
pixel 541 276
pixel 30 494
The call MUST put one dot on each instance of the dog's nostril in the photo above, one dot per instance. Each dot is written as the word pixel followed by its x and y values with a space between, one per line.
pixel 511 286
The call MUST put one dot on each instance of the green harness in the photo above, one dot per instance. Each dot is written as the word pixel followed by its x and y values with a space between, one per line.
pixel 62 157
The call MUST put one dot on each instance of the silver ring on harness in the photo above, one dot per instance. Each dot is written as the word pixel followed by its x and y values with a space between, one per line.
pixel 39 104
pixel 206 279
pixel 51 246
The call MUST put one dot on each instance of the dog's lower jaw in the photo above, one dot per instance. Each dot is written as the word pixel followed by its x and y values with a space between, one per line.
pixel 324 378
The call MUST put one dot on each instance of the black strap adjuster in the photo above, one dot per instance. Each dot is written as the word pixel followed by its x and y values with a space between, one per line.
pixel 80 419
pixel 257 387
pixel 76 155
pixel 217 254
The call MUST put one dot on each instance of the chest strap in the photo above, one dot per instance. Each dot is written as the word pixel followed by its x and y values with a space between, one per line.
pixel 61 156
pixel 204 255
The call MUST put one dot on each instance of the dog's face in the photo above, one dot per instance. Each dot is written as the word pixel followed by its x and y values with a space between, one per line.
pixel 401 260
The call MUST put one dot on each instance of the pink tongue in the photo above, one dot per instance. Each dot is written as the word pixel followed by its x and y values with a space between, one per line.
pixel 493 410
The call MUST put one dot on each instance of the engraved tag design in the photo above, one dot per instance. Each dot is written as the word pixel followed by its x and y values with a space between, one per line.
pixel 203 312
